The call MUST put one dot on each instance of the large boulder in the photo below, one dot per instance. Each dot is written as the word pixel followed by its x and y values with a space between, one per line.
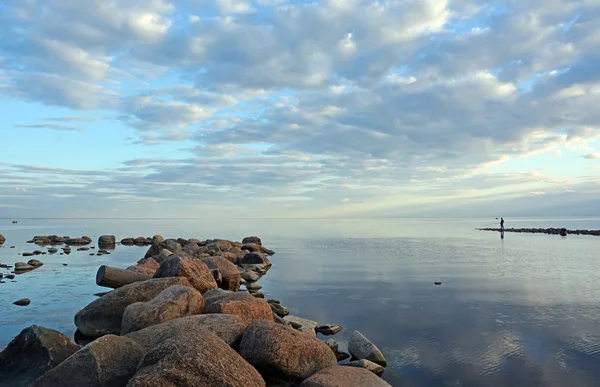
pixel 230 275
pixel 194 270
pixel 228 327
pixel 154 250
pixel 109 361
pixel 252 239
pixel 254 258
pixel 147 266
pixel 190 360
pixel 172 303
pixel 282 353
pixel 158 238
pixel 107 241
pixel 104 315
pixel 303 325
pixel 35 351
pixel 361 348
pixel 243 305
pixel 342 376
pixel 172 245
pixel 2 239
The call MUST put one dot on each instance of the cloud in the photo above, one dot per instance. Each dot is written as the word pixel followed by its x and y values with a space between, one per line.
pixel 51 126
pixel 592 156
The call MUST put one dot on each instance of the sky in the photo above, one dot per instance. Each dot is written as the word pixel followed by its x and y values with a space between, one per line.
pixel 277 108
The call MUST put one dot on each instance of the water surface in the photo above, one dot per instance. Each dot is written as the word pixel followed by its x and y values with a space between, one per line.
pixel 522 310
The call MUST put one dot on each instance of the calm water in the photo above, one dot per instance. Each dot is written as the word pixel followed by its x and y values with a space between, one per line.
pixel 521 311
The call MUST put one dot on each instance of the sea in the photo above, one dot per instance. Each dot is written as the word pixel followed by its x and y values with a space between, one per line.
pixel 519 311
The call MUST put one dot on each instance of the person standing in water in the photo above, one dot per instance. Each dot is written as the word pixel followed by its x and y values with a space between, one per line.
pixel 502 224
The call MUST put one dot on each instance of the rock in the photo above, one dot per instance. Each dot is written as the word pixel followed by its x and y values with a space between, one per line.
pixel 217 276
pixel 22 302
pixel 106 241
pixel 368 365
pixel 250 276
pixel 37 252
pixel 32 353
pixel 343 376
pixel 194 270
pixel 35 263
pixel 253 287
pixel 279 320
pixel 139 241
pixel 254 258
pixel 147 266
pixel 329 329
pixel 279 309
pixel 77 241
pixel 222 245
pixel 172 246
pixel 172 303
pixel 158 238
pixel 162 255
pixel 52 250
pixel 299 322
pixel 83 249
pixel 27 254
pixel 127 241
pixel 104 315
pixel 243 305
pixel 229 272
pixel 252 247
pixel 228 327
pixel 22 266
pixel 361 348
pixel 201 359
pixel 42 240
pixel 258 294
pixel 2 239
pixel 109 361
pixel 251 239
pixel 280 352
pixel 229 256
pixel 10 276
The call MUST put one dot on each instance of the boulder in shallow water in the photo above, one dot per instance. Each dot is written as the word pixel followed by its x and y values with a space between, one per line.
pixel 329 329
pixel 198 359
pixel 343 376
pixel 172 303
pixel 22 302
pixel 243 305
pixel 280 352
pixel 304 325
pixel 252 239
pixel 22 266
pixel 361 348
pixel 104 315
pixel 32 353
pixel 109 361
pixel 196 271
pixel 226 326
pixel 35 263
pixel 147 266
pixel 107 241
pixel 254 258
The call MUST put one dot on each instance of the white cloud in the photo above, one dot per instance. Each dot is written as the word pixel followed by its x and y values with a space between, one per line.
pixel 592 156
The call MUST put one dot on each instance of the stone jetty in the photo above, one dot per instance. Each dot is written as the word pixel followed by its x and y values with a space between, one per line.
pixel 552 231
pixel 189 313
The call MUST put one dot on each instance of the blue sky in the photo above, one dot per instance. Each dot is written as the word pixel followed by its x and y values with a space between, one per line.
pixel 275 108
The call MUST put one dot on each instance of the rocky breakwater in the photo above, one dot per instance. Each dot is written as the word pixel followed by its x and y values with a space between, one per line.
pixel 185 322
pixel 551 231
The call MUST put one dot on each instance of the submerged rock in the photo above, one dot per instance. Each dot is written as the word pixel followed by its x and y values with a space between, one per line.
pixel 361 348
pixel 227 327
pixel 201 359
pixel 109 361
pixel 280 352
pixel 343 376
pixel 170 304
pixel 196 271
pixel 104 315
pixel 32 353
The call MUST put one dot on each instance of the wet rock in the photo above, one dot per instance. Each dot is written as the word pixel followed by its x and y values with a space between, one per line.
pixel 229 272
pixel 253 287
pixel 196 271
pixel 250 276
pixel 83 249
pixel 104 315
pixel 147 266
pixel 22 302
pixel 343 376
pixel 37 252
pixel 127 241
pixel 77 241
pixel 107 241
pixel 368 365
pixel 279 309
pixel 139 241
pixel 252 239
pixel 201 359
pixel 227 327
pixel 27 254
pixel 361 348
pixel 243 305
pixel 329 329
pixel 172 303
pixel 109 361
pixel 52 250
pixel 302 324
pixel 258 294
pixel 22 266
pixel 35 263
pixel 10 276
pixel 32 353
pixel 280 352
